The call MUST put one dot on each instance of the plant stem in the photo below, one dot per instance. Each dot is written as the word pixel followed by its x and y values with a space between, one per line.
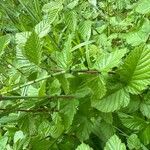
pixel 3 98
pixel 32 82
pixel 85 71
pixel 28 110
pixel 57 72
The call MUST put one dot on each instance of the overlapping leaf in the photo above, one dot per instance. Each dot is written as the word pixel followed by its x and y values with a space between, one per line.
pixel 143 7
pixel 84 146
pixel 113 101
pixel 42 28
pixel 4 41
pixel 33 49
pixel 136 70
pixel 106 62
pixel 132 122
pixel 114 143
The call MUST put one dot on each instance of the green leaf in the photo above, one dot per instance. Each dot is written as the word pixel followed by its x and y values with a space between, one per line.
pixel 9 119
pixel 71 20
pixel 103 130
pixel 82 44
pixel 49 7
pixel 3 142
pixel 28 124
pixel 107 117
pixel 32 91
pixel 107 61
pixel 44 128
pixel 54 87
pixel 57 127
pixel 134 104
pixel 4 41
pixel 93 2
pixel 82 92
pixel 64 83
pixel 42 28
pixel 145 109
pixel 21 38
pixel 135 71
pixel 42 89
pixel 145 135
pixel 83 121
pixel 133 142
pixel 84 146
pixel 139 36
pixel 84 128
pixel 132 122
pixel 33 49
pixel 38 144
pixel 85 29
pixel 114 143
pixel 68 110
pixel 145 106
pixel 64 58
pixel 97 86
pixel 73 4
pixel 18 135
pixel 143 7
pixel 113 101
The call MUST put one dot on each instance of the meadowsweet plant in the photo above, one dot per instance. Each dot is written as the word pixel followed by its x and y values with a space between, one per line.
pixel 74 75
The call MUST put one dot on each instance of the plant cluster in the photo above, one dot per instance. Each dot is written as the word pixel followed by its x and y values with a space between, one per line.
pixel 74 74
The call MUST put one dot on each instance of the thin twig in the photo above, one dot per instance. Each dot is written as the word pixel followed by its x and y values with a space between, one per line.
pixel 56 72
pixel 32 82
pixel 85 71
pixel 27 110
pixel 3 98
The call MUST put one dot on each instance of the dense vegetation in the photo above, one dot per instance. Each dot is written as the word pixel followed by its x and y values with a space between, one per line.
pixel 74 75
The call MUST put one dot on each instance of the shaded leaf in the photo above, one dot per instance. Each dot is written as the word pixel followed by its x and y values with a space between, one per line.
pixel 145 135
pixel 68 110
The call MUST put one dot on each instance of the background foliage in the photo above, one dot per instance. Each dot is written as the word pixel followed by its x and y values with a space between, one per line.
pixel 74 74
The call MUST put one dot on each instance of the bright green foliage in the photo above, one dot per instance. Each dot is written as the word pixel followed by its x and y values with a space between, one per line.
pixel 32 48
pixel 139 35
pixel 113 101
pixel 106 62
pixel 134 142
pixel 136 70
pixel 3 142
pixel 43 28
pixel 114 143
pixel 74 75
pixel 4 41
pixel 83 147
pixel 143 7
